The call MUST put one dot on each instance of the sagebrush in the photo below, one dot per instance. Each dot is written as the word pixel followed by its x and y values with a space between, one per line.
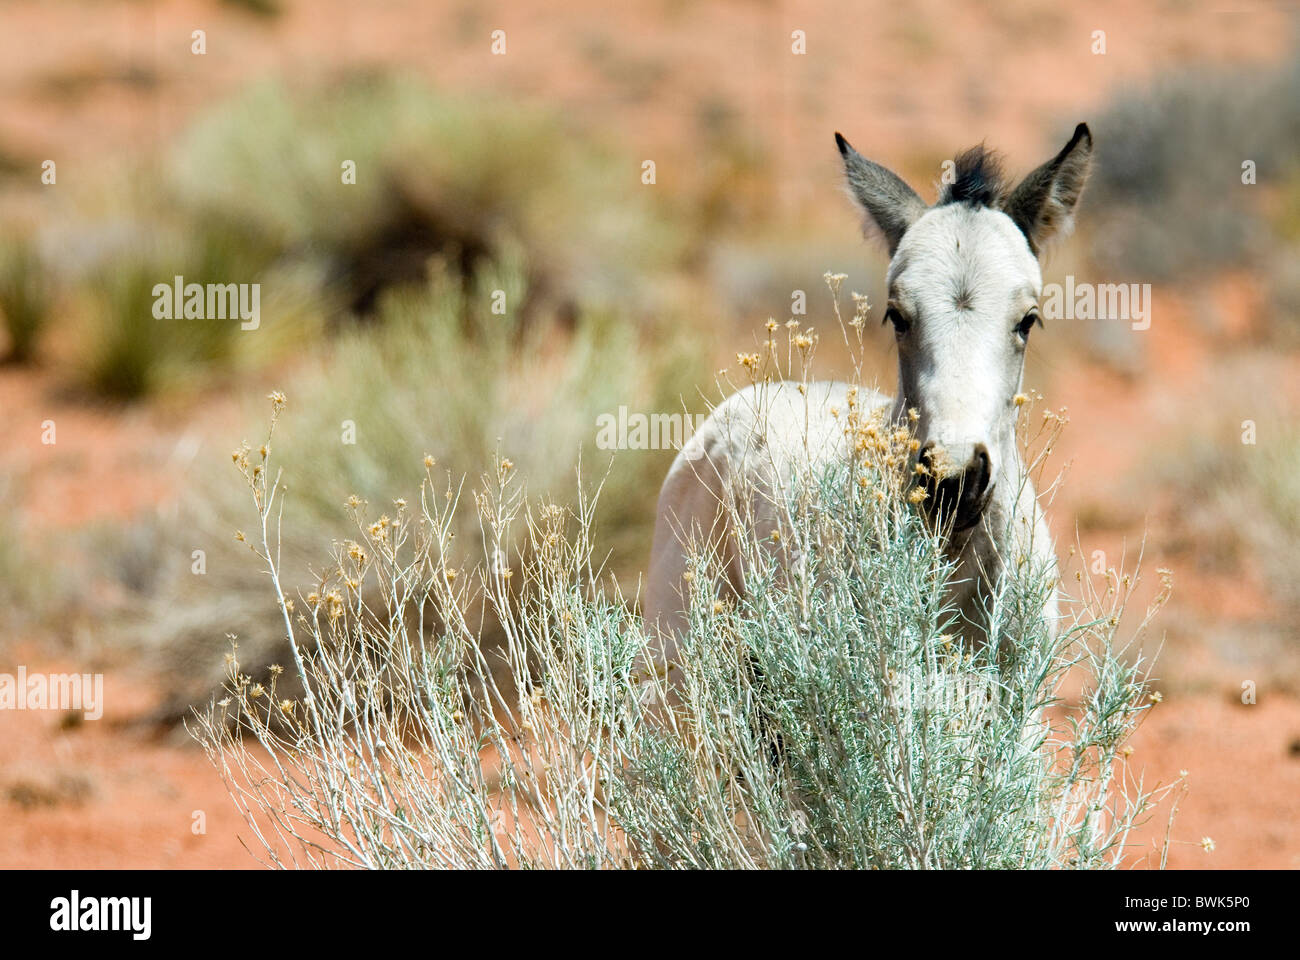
pixel 830 717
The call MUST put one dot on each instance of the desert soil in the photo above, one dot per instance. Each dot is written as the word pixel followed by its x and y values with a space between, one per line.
pixel 109 793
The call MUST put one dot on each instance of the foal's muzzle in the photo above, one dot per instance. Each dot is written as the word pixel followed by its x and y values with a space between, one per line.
pixel 957 493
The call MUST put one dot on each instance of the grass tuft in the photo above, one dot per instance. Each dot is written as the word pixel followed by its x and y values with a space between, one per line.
pixel 26 297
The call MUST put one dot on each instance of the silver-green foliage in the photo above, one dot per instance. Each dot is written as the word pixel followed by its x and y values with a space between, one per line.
pixel 830 717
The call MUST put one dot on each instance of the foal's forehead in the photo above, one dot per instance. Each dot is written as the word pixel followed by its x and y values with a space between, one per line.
pixel 964 252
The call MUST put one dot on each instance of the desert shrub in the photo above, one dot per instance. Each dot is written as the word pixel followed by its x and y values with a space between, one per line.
pixel 262 8
pixel 1282 266
pixel 254 192
pixel 30 585
pixel 1235 510
pixel 26 296
pixel 436 173
pixel 1272 488
pixel 437 373
pixel 830 718
pixel 1167 182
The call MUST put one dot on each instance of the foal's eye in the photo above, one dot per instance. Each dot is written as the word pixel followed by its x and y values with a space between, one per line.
pixel 900 322
pixel 1027 324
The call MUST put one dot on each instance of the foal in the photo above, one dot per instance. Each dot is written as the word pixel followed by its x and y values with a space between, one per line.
pixel 963 288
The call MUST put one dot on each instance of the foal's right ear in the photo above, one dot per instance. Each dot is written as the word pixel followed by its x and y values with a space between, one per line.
pixel 891 205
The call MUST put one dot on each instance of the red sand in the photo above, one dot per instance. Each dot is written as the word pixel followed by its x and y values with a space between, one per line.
pixel 103 795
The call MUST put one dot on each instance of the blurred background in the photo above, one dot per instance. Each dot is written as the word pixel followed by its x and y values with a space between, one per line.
pixel 515 161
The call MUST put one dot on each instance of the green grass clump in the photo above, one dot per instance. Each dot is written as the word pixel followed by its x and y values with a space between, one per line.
pixel 129 352
pixel 127 357
pixel 262 8
pixel 26 297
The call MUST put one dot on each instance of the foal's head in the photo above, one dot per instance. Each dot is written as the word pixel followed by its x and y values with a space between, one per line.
pixel 964 284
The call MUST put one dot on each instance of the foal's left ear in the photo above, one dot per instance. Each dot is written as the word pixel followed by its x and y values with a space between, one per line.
pixel 1043 205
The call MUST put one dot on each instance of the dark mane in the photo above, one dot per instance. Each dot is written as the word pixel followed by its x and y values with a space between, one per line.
pixel 979 179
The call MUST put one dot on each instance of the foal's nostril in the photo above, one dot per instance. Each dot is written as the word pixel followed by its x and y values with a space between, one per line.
pixel 978 472
pixel 957 496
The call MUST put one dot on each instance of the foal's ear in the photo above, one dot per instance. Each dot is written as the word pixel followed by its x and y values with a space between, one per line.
pixel 891 205
pixel 1043 205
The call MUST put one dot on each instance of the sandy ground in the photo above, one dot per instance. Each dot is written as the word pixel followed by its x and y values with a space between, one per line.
pixel 106 794
pixel 103 794
pixel 82 81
